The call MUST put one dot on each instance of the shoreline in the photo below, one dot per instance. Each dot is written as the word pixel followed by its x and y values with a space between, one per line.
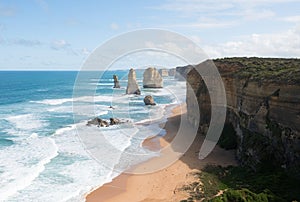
pixel 152 143
pixel 151 187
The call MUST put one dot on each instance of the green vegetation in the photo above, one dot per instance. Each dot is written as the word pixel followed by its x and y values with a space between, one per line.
pixel 241 185
pixel 271 69
pixel 228 139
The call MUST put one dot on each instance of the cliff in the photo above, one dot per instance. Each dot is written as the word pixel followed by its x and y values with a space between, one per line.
pixel 263 109
pixel 181 72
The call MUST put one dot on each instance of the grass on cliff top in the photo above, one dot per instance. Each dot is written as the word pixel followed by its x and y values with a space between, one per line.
pixel 239 184
pixel 273 69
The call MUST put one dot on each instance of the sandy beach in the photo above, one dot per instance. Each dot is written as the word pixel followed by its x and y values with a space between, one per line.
pixel 162 185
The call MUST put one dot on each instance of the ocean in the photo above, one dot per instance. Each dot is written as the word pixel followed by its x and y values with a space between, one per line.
pixel 42 155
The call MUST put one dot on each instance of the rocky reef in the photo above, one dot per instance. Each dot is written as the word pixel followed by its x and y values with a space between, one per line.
pixel 152 78
pixel 132 86
pixel 263 109
pixel 104 123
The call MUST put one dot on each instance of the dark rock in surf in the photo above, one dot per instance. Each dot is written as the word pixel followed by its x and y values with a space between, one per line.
pixel 98 122
pixel 148 100
pixel 114 121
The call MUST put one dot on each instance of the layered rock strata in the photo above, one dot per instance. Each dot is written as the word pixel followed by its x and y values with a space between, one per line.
pixel 263 106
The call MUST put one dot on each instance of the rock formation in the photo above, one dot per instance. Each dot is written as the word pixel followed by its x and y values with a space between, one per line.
pixel 103 123
pixel 132 86
pixel 148 100
pixel 114 121
pixel 181 72
pixel 116 81
pixel 152 78
pixel 163 72
pixel 97 121
pixel 263 107
pixel 172 72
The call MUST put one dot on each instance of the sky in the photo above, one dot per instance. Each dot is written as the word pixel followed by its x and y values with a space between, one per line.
pixel 61 34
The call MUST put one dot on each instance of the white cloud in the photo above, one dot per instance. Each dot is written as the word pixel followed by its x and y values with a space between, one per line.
pixel 284 44
pixel 203 24
pixel 26 42
pixel 169 46
pixel 114 26
pixel 257 14
pixel 21 42
pixel 85 51
pixel 243 9
pixel 60 44
pixel 293 19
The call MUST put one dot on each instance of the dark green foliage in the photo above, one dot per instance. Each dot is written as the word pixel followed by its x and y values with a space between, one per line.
pixel 245 195
pixel 228 139
pixel 271 69
pixel 240 184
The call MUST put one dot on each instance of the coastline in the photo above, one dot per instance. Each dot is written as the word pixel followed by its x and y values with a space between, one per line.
pixel 152 187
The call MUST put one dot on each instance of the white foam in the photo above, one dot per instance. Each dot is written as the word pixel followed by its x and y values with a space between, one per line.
pixel 26 122
pixel 53 101
pixel 23 163
pixel 81 109
pixel 80 173
pixel 102 84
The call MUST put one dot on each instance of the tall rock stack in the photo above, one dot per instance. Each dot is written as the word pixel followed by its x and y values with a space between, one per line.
pixel 116 81
pixel 132 86
pixel 152 78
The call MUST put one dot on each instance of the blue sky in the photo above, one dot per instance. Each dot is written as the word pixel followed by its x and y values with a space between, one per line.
pixel 60 34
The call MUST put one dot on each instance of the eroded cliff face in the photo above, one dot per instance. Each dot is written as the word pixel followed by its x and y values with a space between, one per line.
pixel 263 106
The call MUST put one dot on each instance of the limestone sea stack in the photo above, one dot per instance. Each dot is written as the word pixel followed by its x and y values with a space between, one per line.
pixel 116 81
pixel 172 72
pixel 164 72
pixel 152 78
pixel 148 100
pixel 132 86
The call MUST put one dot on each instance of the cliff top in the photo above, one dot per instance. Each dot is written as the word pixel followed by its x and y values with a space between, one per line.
pixel 266 69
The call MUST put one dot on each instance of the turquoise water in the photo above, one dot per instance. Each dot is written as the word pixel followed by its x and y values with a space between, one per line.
pixel 39 144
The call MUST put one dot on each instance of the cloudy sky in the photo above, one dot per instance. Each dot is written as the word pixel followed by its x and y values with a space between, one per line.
pixel 60 34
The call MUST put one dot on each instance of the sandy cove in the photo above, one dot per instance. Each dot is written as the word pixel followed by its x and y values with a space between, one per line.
pixel 162 185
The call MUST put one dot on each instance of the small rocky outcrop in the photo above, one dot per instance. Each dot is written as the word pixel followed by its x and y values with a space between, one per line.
pixel 132 86
pixel 114 121
pixel 104 123
pixel 116 81
pixel 152 78
pixel 148 100
pixel 163 72
pixel 98 122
